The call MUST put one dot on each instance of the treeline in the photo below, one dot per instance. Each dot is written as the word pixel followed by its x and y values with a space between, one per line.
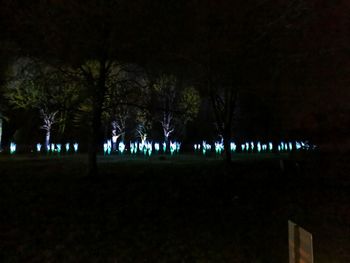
pixel 110 65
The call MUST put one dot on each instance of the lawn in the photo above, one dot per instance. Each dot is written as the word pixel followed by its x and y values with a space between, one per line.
pixel 172 209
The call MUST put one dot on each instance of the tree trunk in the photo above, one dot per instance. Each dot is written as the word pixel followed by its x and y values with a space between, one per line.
pixel 94 139
pixel 99 89
pixel 47 139
pixel 0 133
pixel 227 138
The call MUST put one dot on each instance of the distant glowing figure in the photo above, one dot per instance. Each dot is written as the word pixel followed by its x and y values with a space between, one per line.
pixel 172 147
pixel 195 147
pixel 233 146
pixel 258 146
pixel 178 146
pixel 264 147
pixel 204 147
pixel 105 148
pixel 141 146
pixel 290 146
pixel 38 147
pixel 247 146
pixel 279 148
pixel 286 147
pixel 144 147
pixel 67 146
pixel 52 147
pixel 298 145
pixel 132 148
pixel 75 146
pixel 242 147
pixel 219 147
pixel 156 147
pixel 164 147
pixel 282 146
pixel 13 148
pixel 109 146
pixel 48 148
pixel 270 146
pixel 149 146
pixel 121 147
pixel 59 147
pixel 252 146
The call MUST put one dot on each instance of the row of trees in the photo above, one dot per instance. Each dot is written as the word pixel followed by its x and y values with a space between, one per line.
pixel 131 94
pixel 116 54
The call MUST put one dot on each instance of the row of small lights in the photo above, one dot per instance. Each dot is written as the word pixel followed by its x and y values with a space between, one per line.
pixel 51 147
pixel 251 146
pixel 147 147
pixel 143 147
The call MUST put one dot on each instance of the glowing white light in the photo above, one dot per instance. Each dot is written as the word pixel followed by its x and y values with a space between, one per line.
pixel 247 146
pixel 132 147
pixel 13 148
pixel 219 147
pixel 75 146
pixel 109 146
pixel 38 147
pixel 156 146
pixel 178 146
pixel 164 147
pixel 286 147
pixel 121 147
pixel 144 147
pixel 242 147
pixel 67 147
pixel 264 147
pixel 114 138
pixel 52 147
pixel 282 146
pixel 48 148
pixel 252 146
pixel 105 148
pixel 233 146
pixel 141 146
pixel 172 147
pixel 298 145
pixel 149 148
pixel 270 146
pixel 258 146
pixel 59 147
pixel 279 148
pixel 195 147
pixel 290 146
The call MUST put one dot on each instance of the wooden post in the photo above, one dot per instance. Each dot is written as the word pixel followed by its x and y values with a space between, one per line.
pixel 300 244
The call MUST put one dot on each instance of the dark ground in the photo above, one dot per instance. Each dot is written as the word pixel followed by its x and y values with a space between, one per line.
pixel 182 209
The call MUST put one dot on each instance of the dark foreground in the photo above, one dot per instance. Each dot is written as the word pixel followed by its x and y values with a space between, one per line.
pixel 181 210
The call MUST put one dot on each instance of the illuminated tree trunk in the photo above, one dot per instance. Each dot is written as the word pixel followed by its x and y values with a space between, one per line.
pixel 114 136
pixel 49 120
pixel 167 127
pixel 47 138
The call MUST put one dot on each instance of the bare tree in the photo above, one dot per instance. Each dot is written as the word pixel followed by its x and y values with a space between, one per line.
pixel 49 120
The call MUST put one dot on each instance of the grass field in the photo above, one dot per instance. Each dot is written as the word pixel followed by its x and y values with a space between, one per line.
pixel 181 209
